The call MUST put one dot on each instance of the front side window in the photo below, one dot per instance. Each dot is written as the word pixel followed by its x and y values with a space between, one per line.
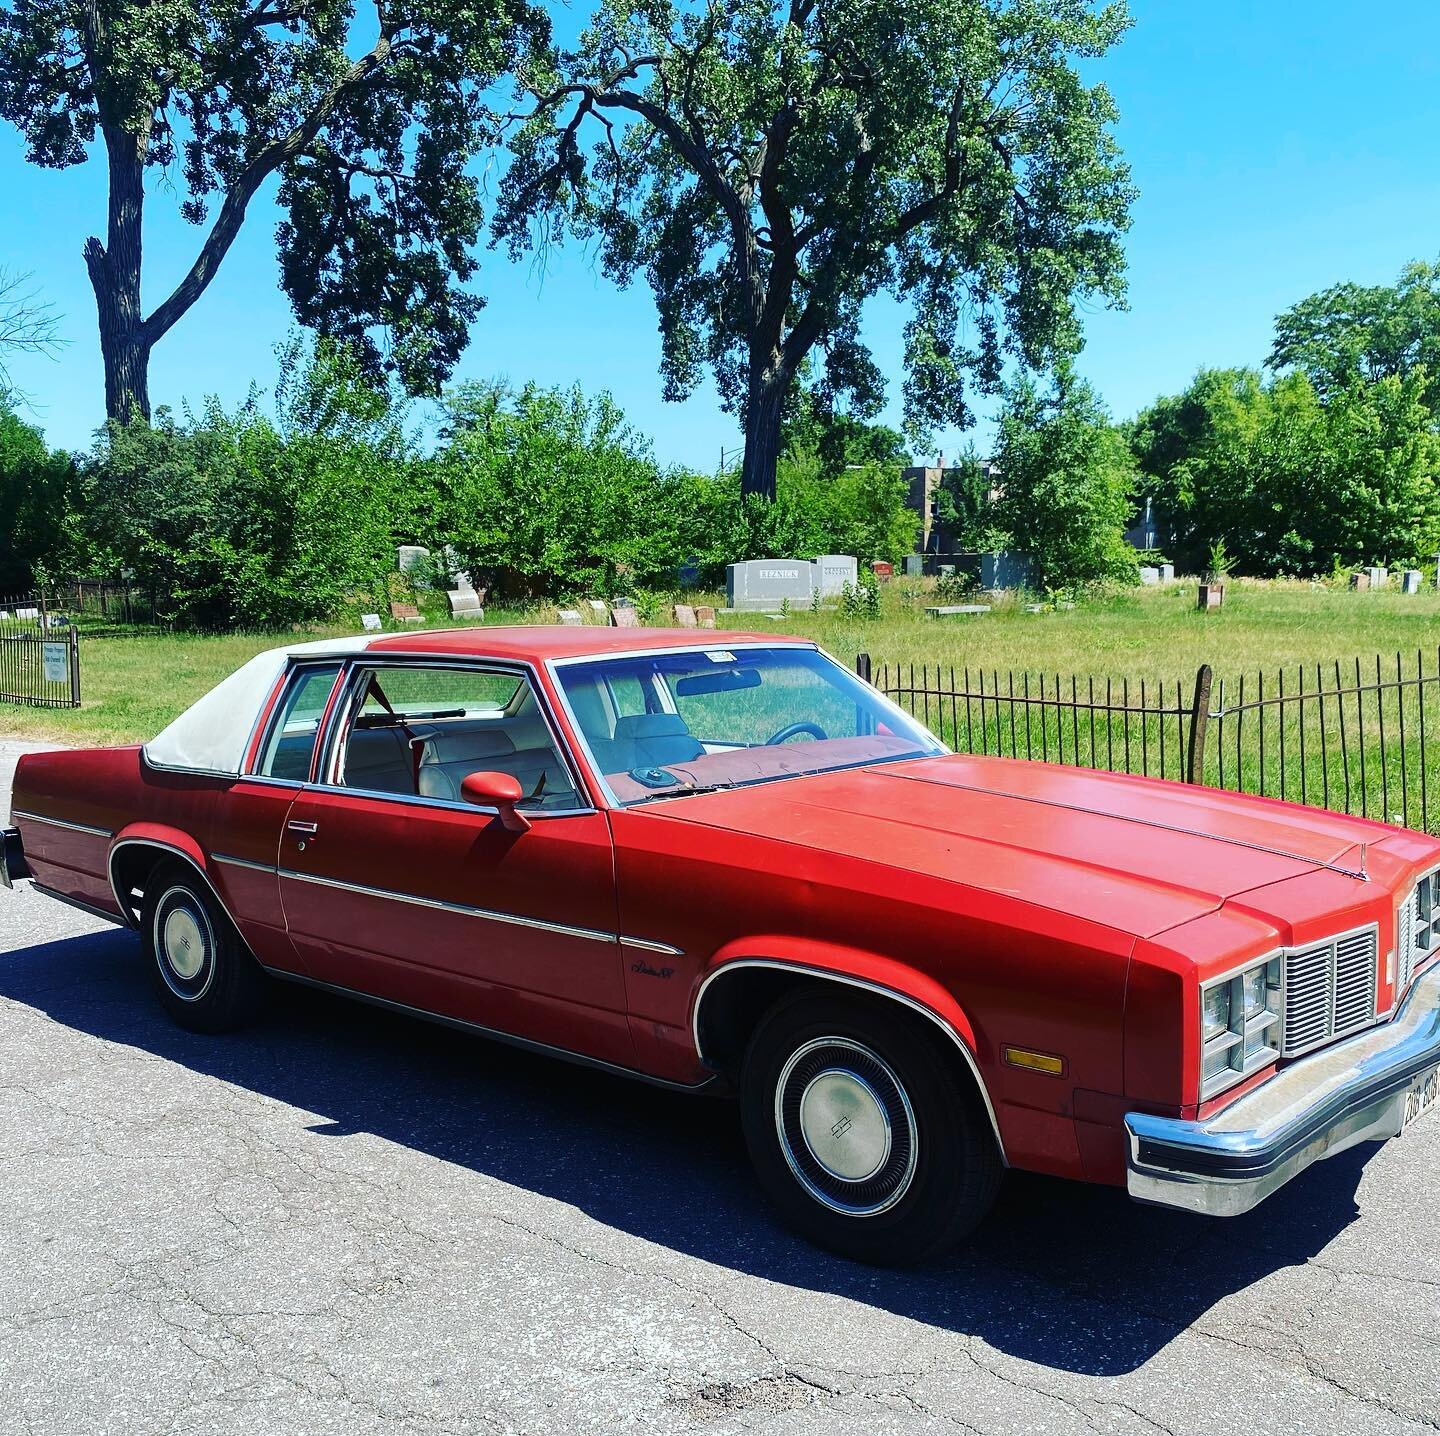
pixel 419 731
pixel 291 744
pixel 667 723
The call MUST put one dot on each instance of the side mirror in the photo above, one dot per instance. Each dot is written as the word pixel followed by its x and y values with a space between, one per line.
pixel 499 791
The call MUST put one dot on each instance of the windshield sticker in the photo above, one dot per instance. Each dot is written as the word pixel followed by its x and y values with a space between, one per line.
pixel 720 655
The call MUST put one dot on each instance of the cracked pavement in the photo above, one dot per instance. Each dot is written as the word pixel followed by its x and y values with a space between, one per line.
pixel 343 1220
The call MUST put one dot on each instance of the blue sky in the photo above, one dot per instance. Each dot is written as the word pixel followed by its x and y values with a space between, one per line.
pixel 1277 148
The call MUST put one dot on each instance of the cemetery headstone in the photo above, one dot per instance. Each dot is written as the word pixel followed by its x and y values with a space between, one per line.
pixel 1167 573
pixel 763 583
pixel 405 613
pixel 598 609
pixel 833 571
pixel 1379 577
pixel 1004 570
pixel 465 603
pixel 705 616
pixel 1360 582
pixel 570 617
pixel 1411 580
pixel 413 561
pixel 685 615
pixel 625 617
pixel 882 570
pixel 914 565
pixel 955 610
pixel 1149 575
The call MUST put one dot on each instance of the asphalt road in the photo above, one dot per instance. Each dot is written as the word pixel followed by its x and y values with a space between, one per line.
pixel 346 1221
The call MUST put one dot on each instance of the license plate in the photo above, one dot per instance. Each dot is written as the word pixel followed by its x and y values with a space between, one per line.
pixel 1422 1096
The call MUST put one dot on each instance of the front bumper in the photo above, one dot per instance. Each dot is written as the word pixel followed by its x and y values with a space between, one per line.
pixel 1340 1096
pixel 12 857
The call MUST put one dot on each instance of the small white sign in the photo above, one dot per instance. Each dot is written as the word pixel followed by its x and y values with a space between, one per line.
pixel 370 622
pixel 57 662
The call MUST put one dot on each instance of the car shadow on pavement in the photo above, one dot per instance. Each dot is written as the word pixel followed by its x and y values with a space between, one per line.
pixel 1066 1275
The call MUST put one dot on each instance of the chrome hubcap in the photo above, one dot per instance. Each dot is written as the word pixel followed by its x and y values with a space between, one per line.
pixel 846 1126
pixel 184 944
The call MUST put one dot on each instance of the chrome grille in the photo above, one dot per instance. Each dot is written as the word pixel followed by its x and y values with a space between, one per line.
pixel 1405 925
pixel 1329 989
pixel 1417 930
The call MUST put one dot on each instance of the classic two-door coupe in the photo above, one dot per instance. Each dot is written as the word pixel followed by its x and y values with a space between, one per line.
pixel 724 861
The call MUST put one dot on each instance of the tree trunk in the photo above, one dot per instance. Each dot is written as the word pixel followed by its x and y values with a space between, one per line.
pixel 114 269
pixel 763 415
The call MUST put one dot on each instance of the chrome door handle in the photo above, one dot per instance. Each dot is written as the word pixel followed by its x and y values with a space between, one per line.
pixel 307 828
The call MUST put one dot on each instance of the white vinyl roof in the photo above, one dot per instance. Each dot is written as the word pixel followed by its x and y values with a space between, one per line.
pixel 212 734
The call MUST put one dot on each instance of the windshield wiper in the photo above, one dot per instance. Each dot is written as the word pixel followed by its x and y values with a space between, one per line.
pixel 683 792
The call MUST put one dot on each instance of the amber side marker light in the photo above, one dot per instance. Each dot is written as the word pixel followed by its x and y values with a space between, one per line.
pixel 1035 1061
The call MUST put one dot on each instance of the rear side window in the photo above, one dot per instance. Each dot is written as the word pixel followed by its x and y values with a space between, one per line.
pixel 291 744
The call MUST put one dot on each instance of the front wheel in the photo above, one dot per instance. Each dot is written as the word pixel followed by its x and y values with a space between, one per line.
pixel 863 1131
pixel 205 977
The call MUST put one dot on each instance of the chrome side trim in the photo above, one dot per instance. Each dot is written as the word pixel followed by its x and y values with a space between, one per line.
pixel 864 986
pixel 120 900
pixel 646 944
pixel 460 909
pixel 57 823
pixel 81 904
pixel 230 862
pixel 528 1044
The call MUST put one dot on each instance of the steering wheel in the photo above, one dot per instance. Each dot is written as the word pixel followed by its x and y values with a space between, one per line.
pixel 793 730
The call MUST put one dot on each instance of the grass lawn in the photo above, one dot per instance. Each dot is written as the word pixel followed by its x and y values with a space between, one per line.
pixel 133 686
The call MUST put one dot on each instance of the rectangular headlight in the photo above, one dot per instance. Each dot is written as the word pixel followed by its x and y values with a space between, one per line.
pixel 1239 1025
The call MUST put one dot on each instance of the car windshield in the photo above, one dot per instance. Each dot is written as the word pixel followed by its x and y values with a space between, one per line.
pixel 663 724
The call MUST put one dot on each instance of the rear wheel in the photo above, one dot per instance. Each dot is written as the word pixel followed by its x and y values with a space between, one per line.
pixel 204 975
pixel 862 1130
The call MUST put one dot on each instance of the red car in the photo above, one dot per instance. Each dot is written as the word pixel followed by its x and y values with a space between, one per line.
pixel 723 860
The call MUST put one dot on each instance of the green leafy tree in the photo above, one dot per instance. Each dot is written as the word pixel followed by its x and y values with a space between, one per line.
pixel 370 138
pixel 965 504
pixel 770 167
pixel 1067 482
pixel 36 498
pixel 1355 332
pixel 1291 483
pixel 840 440
pixel 546 492
pixel 238 521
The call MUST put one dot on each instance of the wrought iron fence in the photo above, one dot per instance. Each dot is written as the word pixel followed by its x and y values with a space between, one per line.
pixel 1354 737
pixel 39 656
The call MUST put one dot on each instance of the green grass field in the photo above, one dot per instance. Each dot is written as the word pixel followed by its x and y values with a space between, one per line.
pixel 133 686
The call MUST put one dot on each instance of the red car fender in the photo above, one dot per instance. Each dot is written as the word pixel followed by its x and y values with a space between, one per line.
pixel 854 967
pixel 173 840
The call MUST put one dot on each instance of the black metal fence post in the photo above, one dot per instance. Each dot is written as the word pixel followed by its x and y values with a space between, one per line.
pixel 862 667
pixel 1199 723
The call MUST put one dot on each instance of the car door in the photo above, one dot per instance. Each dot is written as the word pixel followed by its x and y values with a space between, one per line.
pixel 395 887
pixel 249 816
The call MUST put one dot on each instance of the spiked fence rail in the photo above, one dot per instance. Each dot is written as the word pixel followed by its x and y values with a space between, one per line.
pixel 1358 737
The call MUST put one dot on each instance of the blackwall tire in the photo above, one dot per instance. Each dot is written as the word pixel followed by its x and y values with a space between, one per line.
pixel 205 977
pixel 864 1132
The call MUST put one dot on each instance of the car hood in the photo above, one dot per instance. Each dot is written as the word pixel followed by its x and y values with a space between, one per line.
pixel 1133 854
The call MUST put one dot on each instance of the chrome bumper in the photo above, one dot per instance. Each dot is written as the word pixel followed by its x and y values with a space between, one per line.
pixel 1336 1098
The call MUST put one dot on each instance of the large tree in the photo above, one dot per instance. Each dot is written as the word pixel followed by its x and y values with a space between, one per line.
pixel 770 167
pixel 368 116
pixel 1361 332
